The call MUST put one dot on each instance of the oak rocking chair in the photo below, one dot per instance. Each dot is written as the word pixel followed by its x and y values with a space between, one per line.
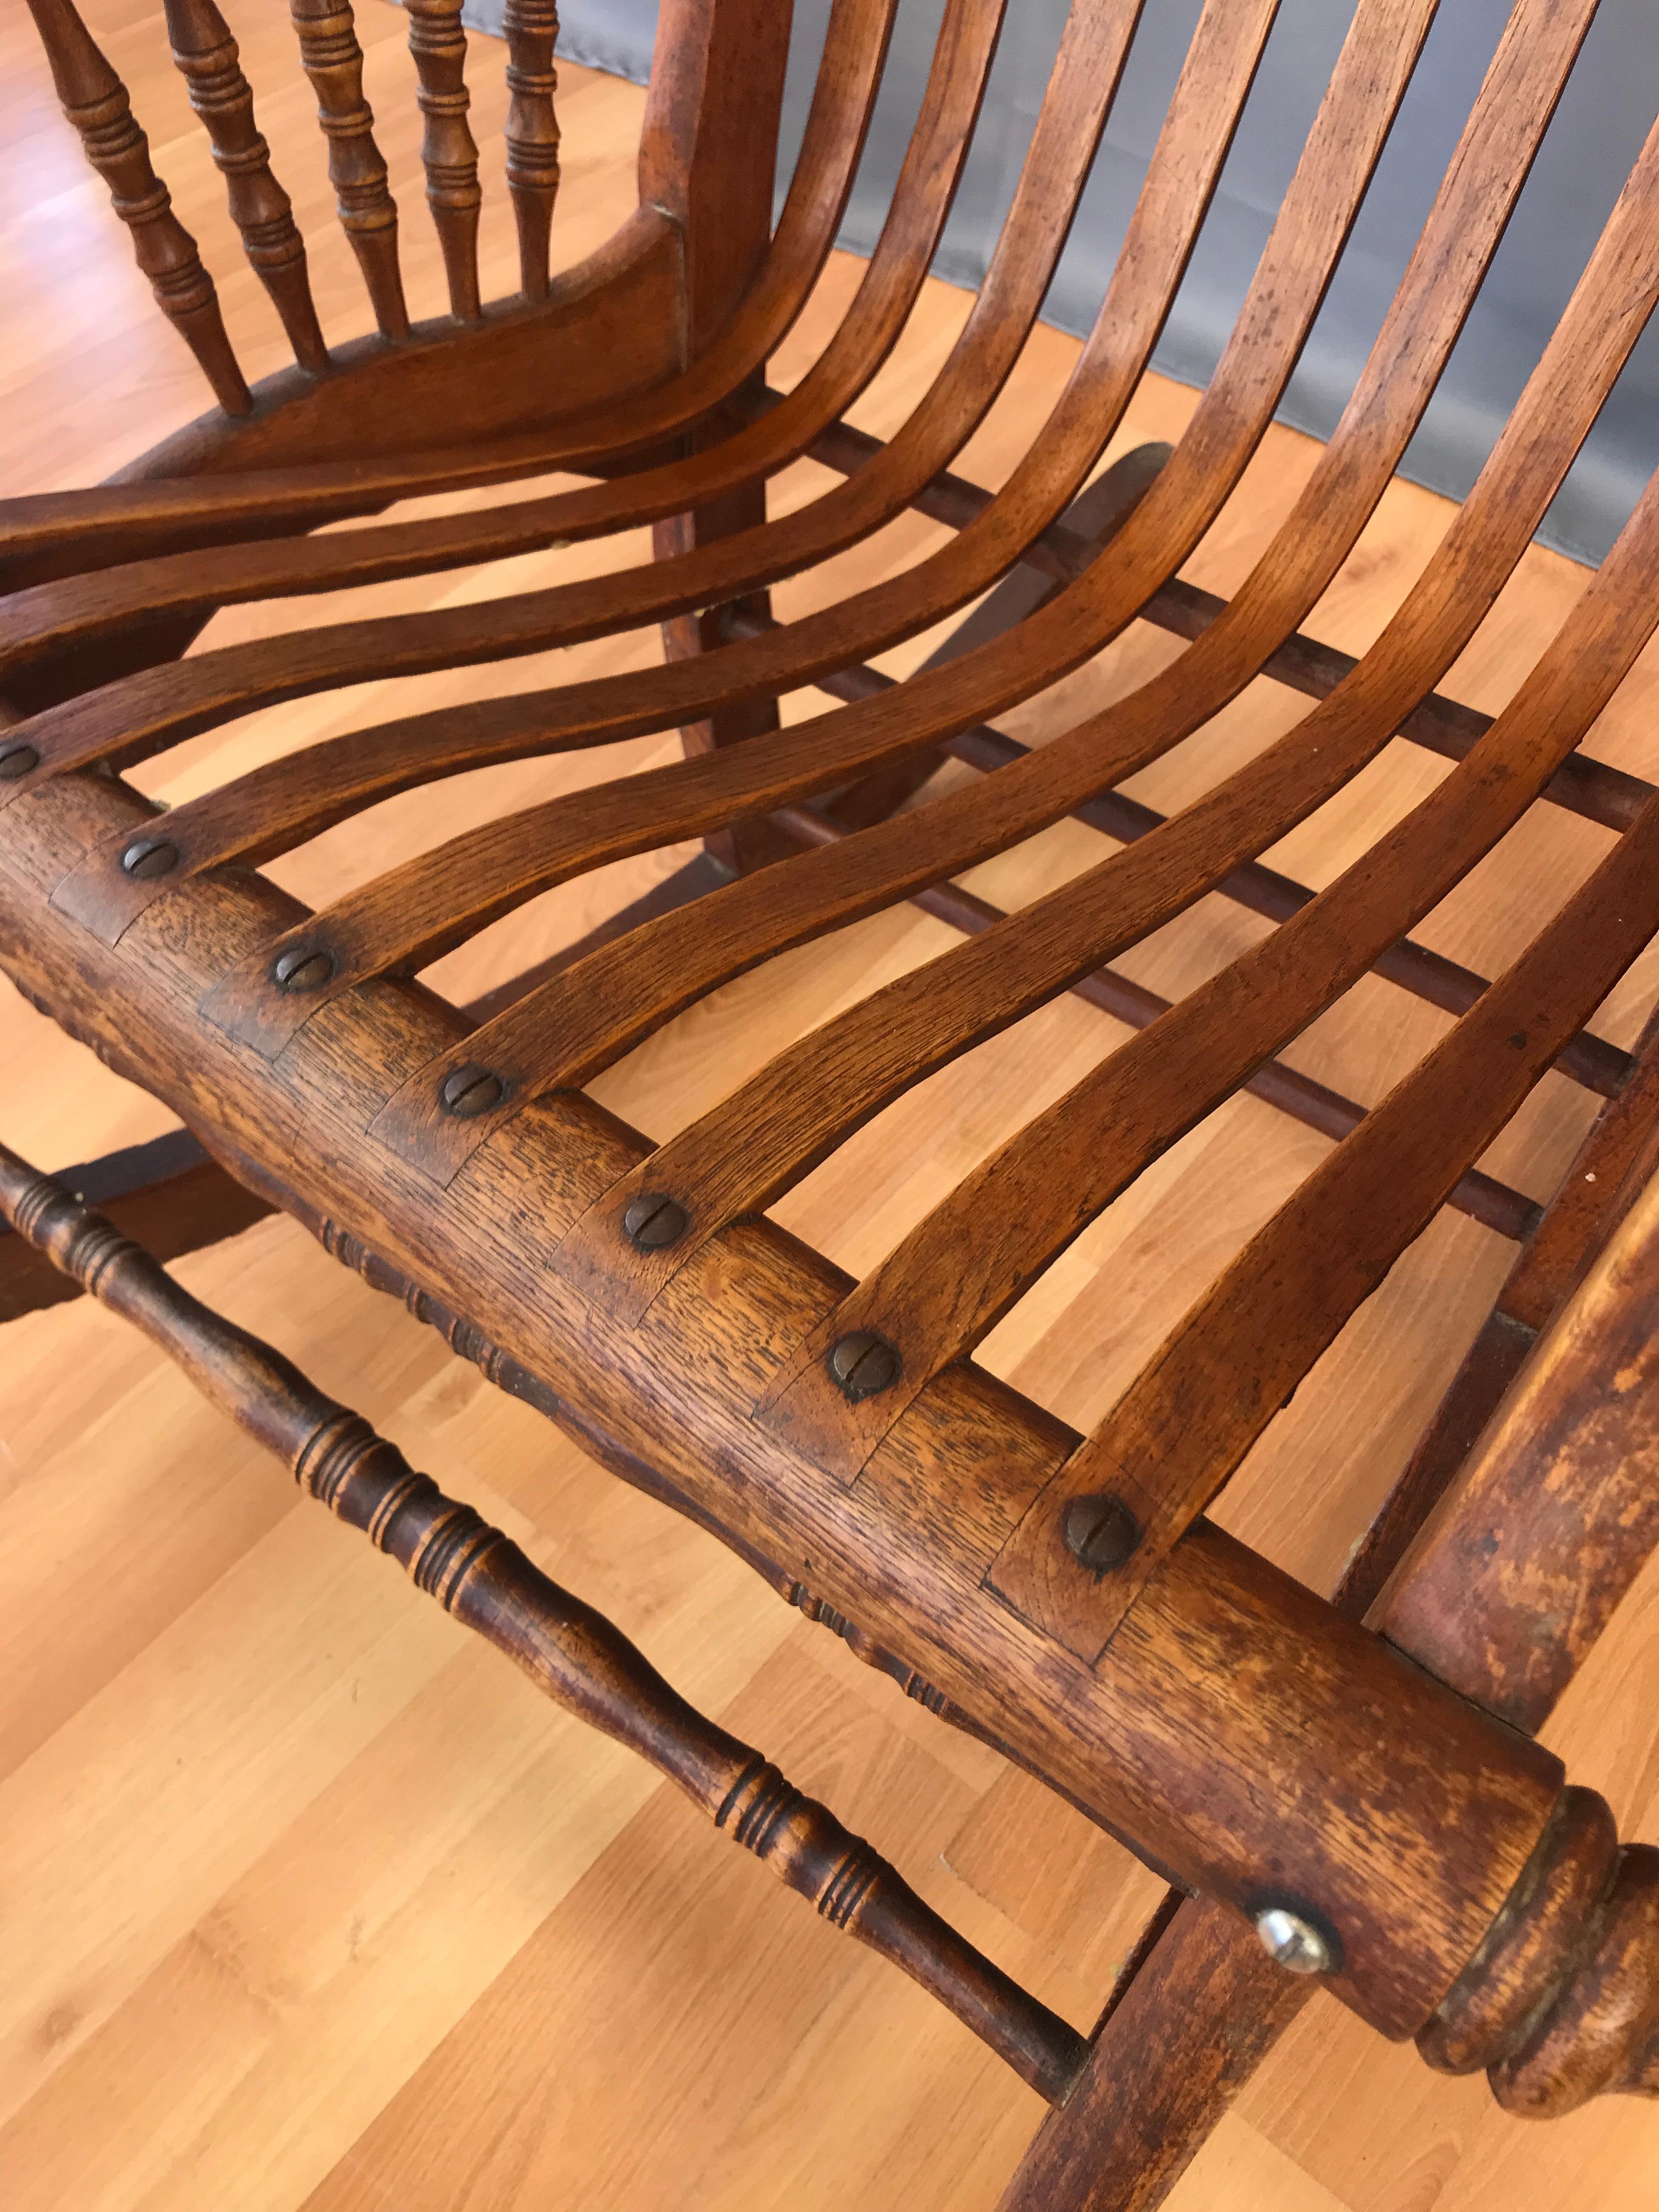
pixel 1343 1793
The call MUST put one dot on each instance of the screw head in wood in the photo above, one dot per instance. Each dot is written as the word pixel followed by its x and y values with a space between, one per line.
pixel 18 762
pixel 146 857
pixel 470 1089
pixel 302 968
pixel 1100 1532
pixel 653 1221
pixel 1291 1939
pixel 863 1363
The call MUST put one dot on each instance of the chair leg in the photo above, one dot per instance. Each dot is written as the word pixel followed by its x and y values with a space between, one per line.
pixel 1184 2035
pixel 744 845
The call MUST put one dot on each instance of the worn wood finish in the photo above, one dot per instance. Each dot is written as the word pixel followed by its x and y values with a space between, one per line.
pixel 169 1193
pixel 571 1652
pixel 1260 1747
pixel 1462 1769
pixel 1564 1475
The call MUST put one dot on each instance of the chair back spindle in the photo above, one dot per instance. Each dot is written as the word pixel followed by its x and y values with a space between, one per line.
pixel 210 63
pixel 95 101
pixel 333 60
pixel 533 134
pixel 448 151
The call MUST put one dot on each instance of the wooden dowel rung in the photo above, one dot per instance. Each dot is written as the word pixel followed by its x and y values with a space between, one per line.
pixel 1588 1060
pixel 448 152
pixel 333 60
pixel 210 63
pixel 95 101
pixel 1495 1205
pixel 1590 788
pixel 571 1652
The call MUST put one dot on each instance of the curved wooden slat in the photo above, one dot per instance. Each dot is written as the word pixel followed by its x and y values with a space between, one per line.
pixel 122 522
pixel 209 60
pixel 449 153
pixel 333 60
pixel 95 101
pixel 509 862
pixel 533 134
pixel 544 1043
pixel 1588 1060
pixel 1483 1198
pixel 790 1116
pixel 198 693
pixel 1085 79
pixel 1014 1213
pixel 1183 1426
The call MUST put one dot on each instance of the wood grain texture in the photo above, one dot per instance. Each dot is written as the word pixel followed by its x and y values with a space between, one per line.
pixel 580 908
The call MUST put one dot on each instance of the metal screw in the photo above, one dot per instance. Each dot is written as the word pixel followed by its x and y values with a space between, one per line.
pixel 299 969
pixel 1100 1533
pixel 1294 1942
pixel 470 1089
pixel 18 760
pixel 149 857
pixel 653 1221
pixel 863 1364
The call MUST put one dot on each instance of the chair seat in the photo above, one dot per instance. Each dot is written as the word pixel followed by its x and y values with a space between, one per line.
pixel 1062 1595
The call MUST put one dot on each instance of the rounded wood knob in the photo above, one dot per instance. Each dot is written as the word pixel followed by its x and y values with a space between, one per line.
pixel 1561 2002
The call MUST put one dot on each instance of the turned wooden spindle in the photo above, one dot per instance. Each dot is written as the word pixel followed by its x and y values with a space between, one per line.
pixel 95 101
pixel 447 150
pixel 1561 2002
pixel 570 1651
pixel 333 60
pixel 533 134
pixel 210 61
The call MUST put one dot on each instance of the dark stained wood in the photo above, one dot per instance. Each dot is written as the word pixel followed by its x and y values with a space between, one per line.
pixel 1560 1492
pixel 1126 2132
pixel 1259 1745
pixel 448 152
pixel 533 134
pixel 169 1193
pixel 208 58
pixel 572 1654
pixel 95 101
pixel 333 60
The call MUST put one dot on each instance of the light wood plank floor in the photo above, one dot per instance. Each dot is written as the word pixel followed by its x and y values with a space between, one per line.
pixel 308 1903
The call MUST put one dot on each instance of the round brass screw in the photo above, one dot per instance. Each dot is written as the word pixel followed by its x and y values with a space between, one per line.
pixel 863 1364
pixel 18 762
pixel 1293 1940
pixel 1100 1533
pixel 653 1221
pixel 299 969
pixel 147 857
pixel 470 1089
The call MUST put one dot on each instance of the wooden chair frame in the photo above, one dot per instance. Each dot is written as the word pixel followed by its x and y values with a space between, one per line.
pixel 1063 1598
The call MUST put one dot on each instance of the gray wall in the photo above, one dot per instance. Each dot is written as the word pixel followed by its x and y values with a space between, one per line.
pixel 1589 147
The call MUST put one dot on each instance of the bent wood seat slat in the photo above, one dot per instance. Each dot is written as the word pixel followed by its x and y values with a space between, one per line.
pixel 1344 1793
